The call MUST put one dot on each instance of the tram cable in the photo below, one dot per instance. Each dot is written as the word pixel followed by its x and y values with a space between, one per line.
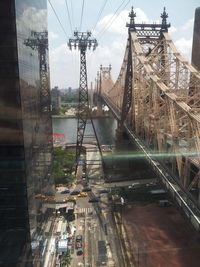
pixel 69 16
pixel 100 13
pixel 72 14
pixel 83 3
pixel 58 20
pixel 113 18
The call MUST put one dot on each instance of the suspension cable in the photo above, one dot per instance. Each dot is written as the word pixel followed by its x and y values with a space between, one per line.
pixel 69 16
pixel 58 20
pixel 82 14
pixel 72 12
pixel 99 14
pixel 113 18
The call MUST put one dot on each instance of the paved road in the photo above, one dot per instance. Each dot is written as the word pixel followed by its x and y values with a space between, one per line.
pixel 94 221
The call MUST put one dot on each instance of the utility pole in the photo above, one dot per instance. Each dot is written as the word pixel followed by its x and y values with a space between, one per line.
pixel 82 41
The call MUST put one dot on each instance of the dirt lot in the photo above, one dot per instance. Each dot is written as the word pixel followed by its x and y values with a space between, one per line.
pixel 160 236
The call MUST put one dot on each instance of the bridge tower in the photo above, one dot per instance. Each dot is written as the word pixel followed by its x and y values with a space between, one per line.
pixel 82 41
pixel 148 34
pixel 103 75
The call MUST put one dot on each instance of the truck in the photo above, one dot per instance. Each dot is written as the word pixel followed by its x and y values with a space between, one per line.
pixel 102 253
pixel 70 211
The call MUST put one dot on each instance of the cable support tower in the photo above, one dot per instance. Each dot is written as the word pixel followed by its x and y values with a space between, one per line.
pixel 83 41
pixel 39 42
pixel 43 144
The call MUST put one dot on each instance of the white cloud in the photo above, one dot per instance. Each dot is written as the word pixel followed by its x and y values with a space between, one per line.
pixel 114 24
pixel 188 25
pixel 172 30
pixel 34 17
pixel 117 24
pixel 64 67
pixel 185 47
pixel 65 64
pixel 53 35
pixel 55 2
pixel 141 16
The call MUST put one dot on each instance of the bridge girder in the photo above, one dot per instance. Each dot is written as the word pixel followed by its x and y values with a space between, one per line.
pixel 165 103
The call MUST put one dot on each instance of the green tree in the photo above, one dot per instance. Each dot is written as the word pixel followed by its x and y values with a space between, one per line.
pixel 63 162
pixel 68 98
pixel 65 259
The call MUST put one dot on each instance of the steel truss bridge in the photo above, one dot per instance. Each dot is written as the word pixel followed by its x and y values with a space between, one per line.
pixel 156 100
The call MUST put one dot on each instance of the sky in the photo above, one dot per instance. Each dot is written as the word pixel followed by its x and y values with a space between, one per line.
pixel 106 19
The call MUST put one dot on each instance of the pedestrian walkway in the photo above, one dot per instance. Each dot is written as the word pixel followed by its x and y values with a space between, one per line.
pixel 85 211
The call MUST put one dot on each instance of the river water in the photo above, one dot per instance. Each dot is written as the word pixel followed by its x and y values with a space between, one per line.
pixel 105 129
pixel 122 163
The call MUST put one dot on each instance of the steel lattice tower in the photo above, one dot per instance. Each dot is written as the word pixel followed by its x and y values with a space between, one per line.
pixel 82 41
pixel 39 42
pixel 42 147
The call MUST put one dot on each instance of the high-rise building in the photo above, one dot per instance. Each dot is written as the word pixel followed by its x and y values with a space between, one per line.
pixel 55 100
pixel 26 184
pixel 196 40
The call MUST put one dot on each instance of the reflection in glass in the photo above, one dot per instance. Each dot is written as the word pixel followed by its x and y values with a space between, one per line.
pixel 25 138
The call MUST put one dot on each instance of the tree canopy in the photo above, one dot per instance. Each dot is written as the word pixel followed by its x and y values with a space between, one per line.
pixel 63 162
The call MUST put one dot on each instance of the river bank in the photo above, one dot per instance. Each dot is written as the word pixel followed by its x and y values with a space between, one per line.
pixel 74 116
pixel 62 116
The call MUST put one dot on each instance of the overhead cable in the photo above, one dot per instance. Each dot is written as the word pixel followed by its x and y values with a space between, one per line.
pixel 58 20
pixel 69 16
pixel 100 12
pixel 113 18
pixel 72 14
pixel 83 3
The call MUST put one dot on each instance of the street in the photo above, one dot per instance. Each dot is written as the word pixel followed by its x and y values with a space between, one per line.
pixel 93 221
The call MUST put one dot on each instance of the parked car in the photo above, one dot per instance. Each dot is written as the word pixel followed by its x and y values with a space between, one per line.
pixel 79 243
pixel 76 192
pixel 93 200
pixel 86 189
pixel 164 203
pixel 79 238
pixel 103 191
pixel 79 251
pixel 82 195
pixel 65 191
pixel 71 199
